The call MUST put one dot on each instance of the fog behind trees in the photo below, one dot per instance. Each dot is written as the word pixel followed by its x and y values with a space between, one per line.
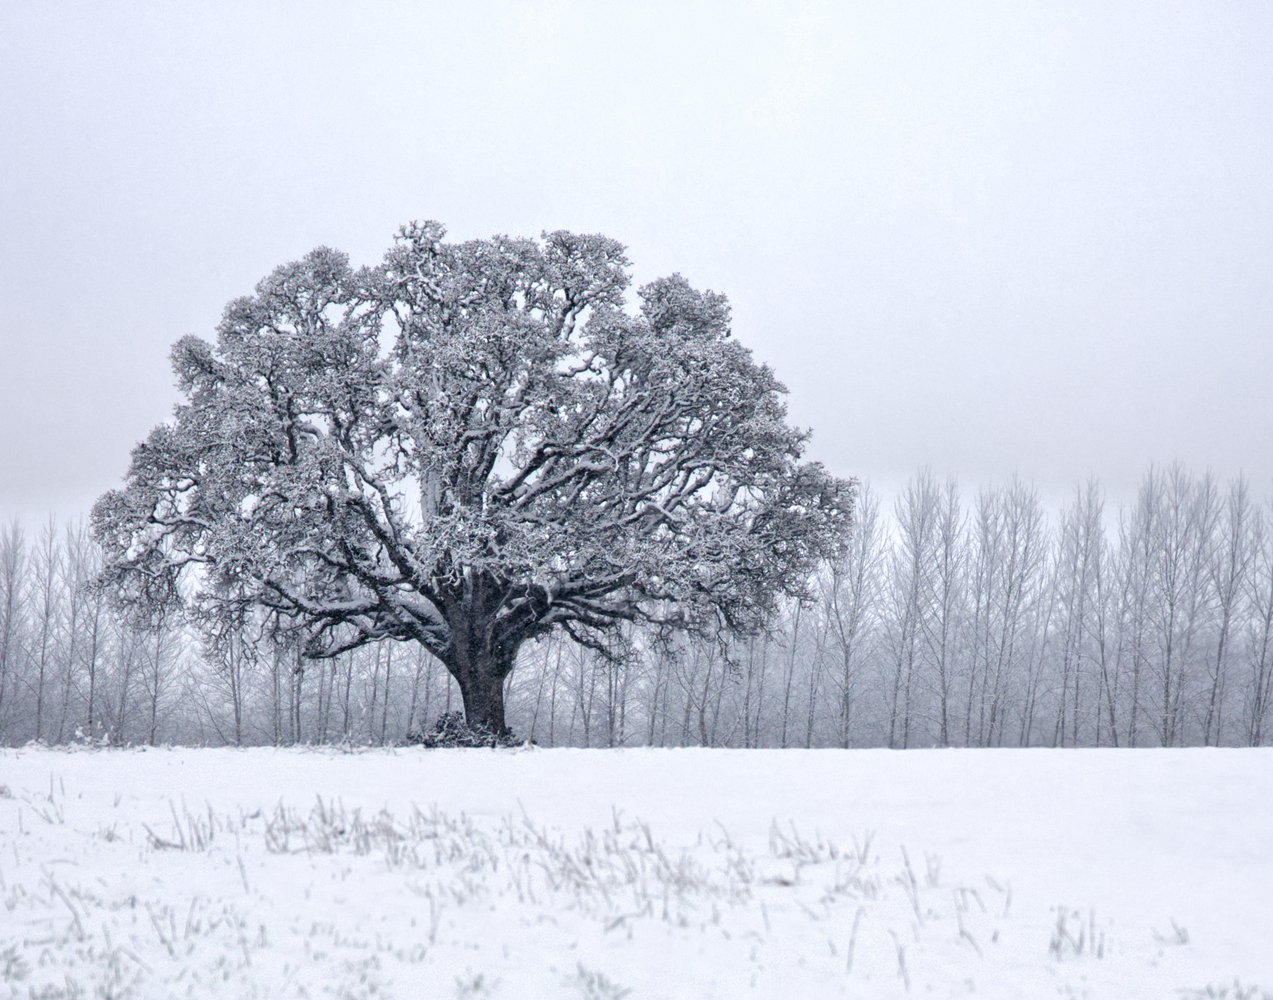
pixel 955 618
pixel 975 236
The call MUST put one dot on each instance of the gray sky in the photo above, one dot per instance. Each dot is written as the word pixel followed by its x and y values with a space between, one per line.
pixel 987 237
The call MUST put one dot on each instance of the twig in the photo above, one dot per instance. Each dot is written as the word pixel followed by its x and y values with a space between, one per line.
pixel 902 973
pixel 853 939
pixel 79 927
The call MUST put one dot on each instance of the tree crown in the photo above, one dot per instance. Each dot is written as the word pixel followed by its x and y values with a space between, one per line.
pixel 473 443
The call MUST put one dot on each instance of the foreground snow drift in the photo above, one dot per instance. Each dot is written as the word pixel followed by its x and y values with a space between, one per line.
pixel 640 873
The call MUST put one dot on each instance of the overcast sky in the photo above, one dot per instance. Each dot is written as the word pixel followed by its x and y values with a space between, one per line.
pixel 984 237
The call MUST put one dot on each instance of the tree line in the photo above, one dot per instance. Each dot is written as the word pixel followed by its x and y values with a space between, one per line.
pixel 948 620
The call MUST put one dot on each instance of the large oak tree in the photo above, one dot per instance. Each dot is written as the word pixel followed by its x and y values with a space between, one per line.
pixel 469 446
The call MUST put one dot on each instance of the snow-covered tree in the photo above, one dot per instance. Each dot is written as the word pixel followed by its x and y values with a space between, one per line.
pixel 470 446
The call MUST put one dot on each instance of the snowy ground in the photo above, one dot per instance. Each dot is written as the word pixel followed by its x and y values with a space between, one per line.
pixel 639 873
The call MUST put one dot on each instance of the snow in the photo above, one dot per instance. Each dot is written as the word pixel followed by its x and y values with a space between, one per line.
pixel 662 873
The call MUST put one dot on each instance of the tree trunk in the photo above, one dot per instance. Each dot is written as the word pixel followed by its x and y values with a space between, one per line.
pixel 375 691
pixel 92 667
pixel 277 704
pixel 384 704
pixel 482 688
pixel 480 673
pixel 415 691
pixel 552 698
pixel 298 678
pixel 122 716
pixel 154 691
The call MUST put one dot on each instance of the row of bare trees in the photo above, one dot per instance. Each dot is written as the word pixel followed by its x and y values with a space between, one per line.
pixel 72 669
pixel 981 621
pixel 950 620
pixel 69 667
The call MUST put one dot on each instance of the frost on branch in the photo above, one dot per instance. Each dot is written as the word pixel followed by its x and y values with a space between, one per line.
pixel 467 447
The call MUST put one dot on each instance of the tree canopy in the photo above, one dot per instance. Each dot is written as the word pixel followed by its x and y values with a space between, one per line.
pixel 468 446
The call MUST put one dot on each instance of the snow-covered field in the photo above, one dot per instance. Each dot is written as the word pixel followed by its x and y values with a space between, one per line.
pixel 639 873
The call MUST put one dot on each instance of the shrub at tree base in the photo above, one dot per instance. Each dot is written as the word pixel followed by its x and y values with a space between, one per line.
pixel 450 730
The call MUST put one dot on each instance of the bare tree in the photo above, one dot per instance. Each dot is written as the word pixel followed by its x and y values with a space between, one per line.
pixel 559 647
pixel 1182 551
pixel 762 671
pixel 424 673
pixel 1137 532
pixel 85 607
pixel 1008 555
pixel 1259 589
pixel 1077 569
pixel 158 666
pixel 12 614
pixel 752 676
pixel 945 625
pixel 47 596
pixel 820 638
pixel 618 670
pixel 346 708
pixel 1228 568
pixel 78 569
pixel 127 642
pixel 910 597
pixel 714 669
pixel 851 595
pixel 789 685
pixel 229 649
pixel 96 627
